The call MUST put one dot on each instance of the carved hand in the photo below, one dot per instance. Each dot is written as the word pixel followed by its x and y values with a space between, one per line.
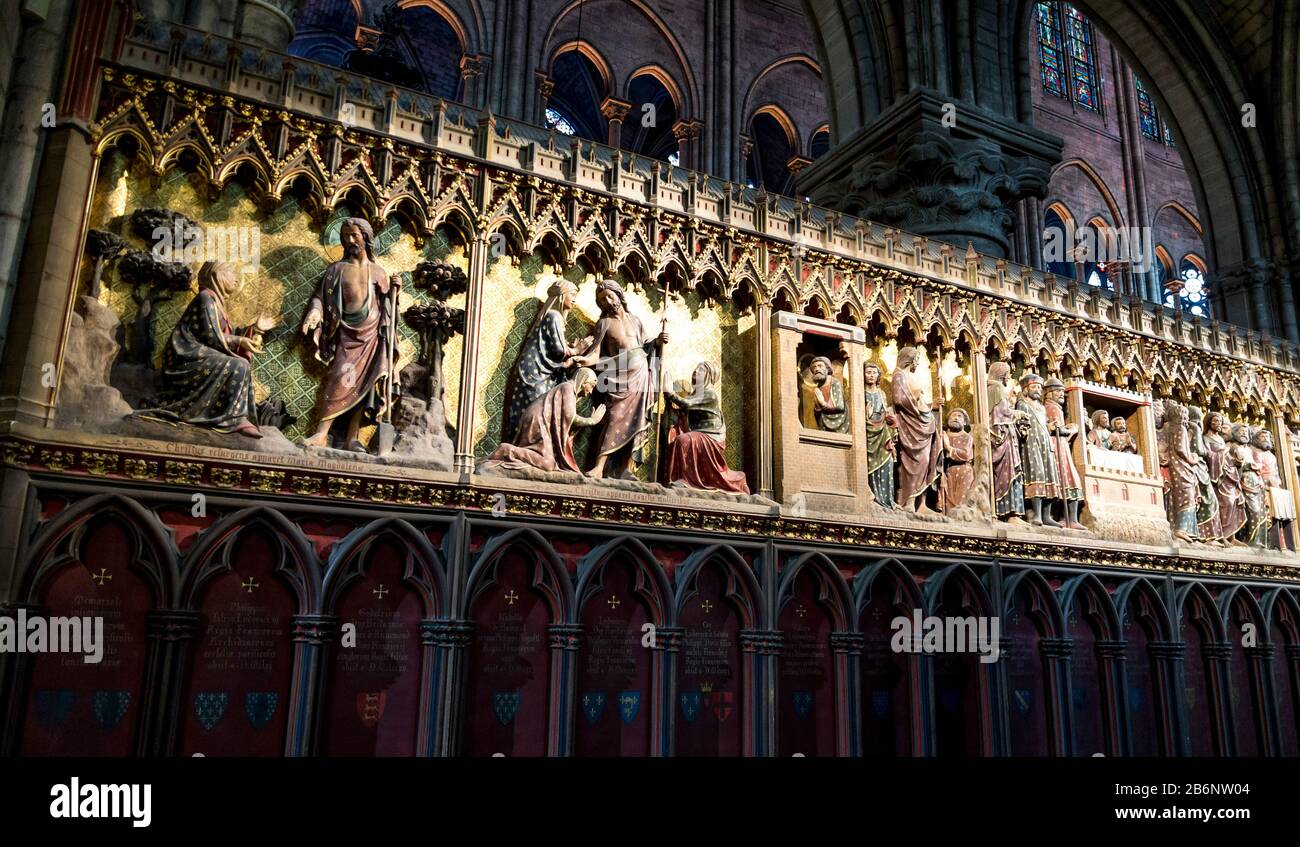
pixel 266 323
pixel 598 414
pixel 312 321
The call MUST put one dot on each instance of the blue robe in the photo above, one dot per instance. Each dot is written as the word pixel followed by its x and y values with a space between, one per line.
pixel 539 369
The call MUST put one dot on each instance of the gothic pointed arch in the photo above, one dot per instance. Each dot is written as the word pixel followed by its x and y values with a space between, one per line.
pixel 422 566
pixel 547 573
pixel 294 559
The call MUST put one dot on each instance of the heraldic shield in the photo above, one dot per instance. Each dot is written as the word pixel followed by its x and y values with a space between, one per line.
pixel 691 702
pixel 53 705
pixel 370 707
pixel 210 708
pixel 260 707
pixel 506 706
pixel 110 707
pixel 803 704
pixel 593 706
pixel 629 703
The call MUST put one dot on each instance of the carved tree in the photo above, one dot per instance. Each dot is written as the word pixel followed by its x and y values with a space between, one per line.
pixel 102 247
pixel 152 281
pixel 436 322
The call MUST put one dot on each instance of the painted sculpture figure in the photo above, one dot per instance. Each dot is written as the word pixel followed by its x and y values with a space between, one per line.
pixel 1254 492
pixel 828 396
pixel 1004 421
pixel 544 438
pixel 958 461
pixel 1224 476
pixel 1207 501
pixel 1099 433
pixel 207 373
pixel 1121 440
pixel 1042 482
pixel 918 435
pixel 542 361
pixel 1062 433
pixel 1182 473
pixel 697 455
pixel 621 354
pixel 881 438
pixel 350 324
pixel 1281 506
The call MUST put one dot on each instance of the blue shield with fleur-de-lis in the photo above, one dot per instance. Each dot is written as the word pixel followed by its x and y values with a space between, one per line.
pixel 593 706
pixel 506 705
pixel 880 703
pixel 803 704
pixel 260 707
pixel 110 707
pixel 53 705
pixel 210 708
pixel 629 703
pixel 691 702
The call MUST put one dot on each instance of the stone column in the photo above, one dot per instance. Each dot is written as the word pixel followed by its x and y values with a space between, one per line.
pixel 1167 682
pixel 615 111
pixel 445 651
pixel 1114 695
pixel 980 426
pixel 311 636
pixel 545 88
pixel 909 169
pixel 1057 654
pixel 463 460
pixel 1219 655
pixel 267 23
pixel 473 90
pixel 169 633
pixel 564 680
pixel 663 687
pixel 761 648
pixel 763 360
pixel 15 673
pixel 46 282
pixel 847 650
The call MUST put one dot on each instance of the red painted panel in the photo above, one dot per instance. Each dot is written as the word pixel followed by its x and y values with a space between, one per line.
pixel 374 692
pixel 710 695
pixel 613 694
pixel 507 697
pixel 806 671
pixel 80 709
pixel 237 700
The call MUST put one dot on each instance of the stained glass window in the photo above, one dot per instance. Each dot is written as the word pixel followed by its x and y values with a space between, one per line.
pixel 1195 295
pixel 1083 64
pixel 1067 57
pixel 1050 60
pixel 1169 136
pixel 559 123
pixel 1148 115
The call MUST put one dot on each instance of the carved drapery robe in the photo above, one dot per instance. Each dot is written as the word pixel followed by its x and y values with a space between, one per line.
pixel 697 454
pixel 623 385
pixel 1037 454
pixel 544 437
pixel 1227 485
pixel 1069 481
pixel 1207 506
pixel 880 458
pixel 1254 495
pixel 1123 442
pixel 354 346
pixel 539 369
pixel 836 419
pixel 1182 480
pixel 203 380
pixel 1008 483
pixel 959 469
pixel 918 439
